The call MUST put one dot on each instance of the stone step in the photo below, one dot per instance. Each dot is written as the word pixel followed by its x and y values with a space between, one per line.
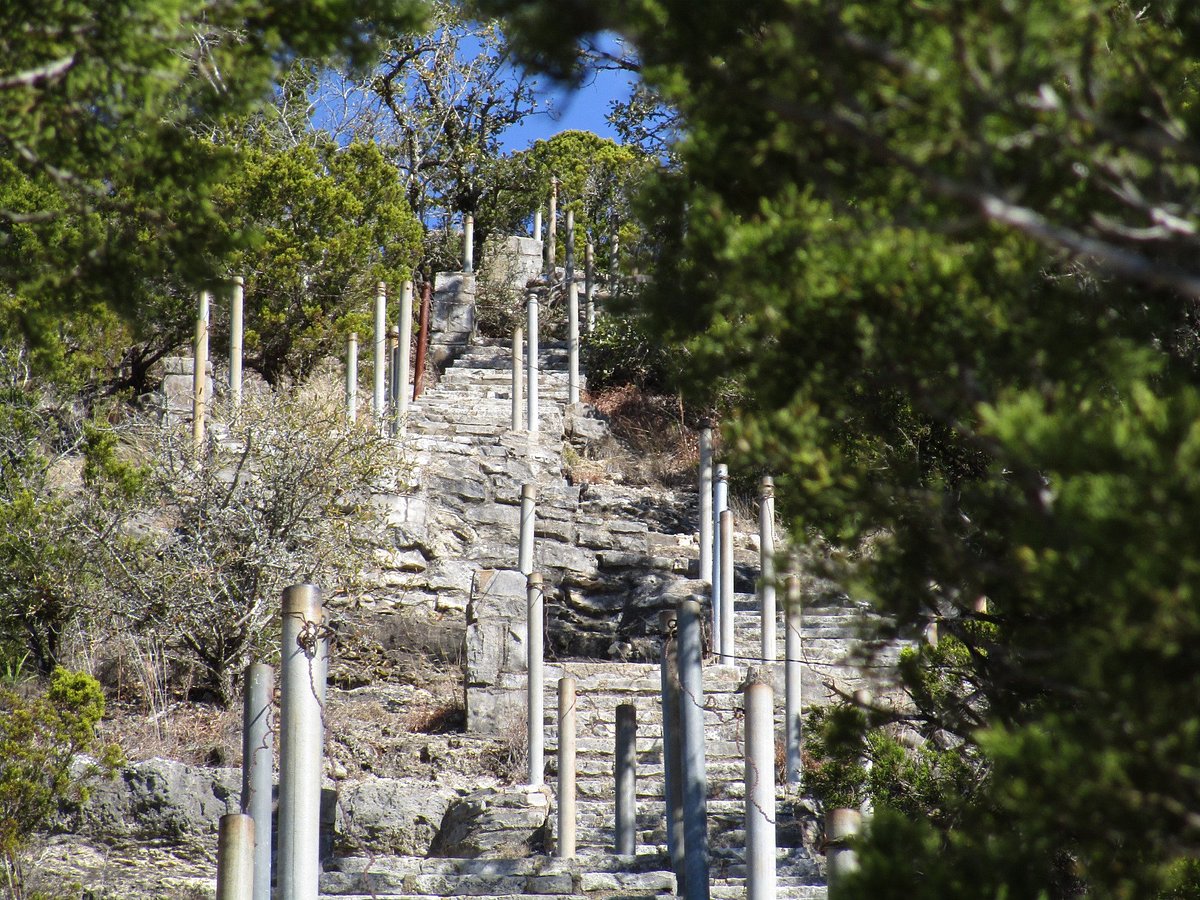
pixel 563 879
pixel 603 892
pixel 735 889
pixel 528 865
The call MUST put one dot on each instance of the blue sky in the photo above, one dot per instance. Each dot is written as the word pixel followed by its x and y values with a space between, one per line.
pixel 583 109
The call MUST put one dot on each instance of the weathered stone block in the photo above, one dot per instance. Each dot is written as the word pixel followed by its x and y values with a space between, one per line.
pixel 495 822
pixel 159 799
pixel 400 509
pixel 495 648
pixel 388 815
pixel 523 256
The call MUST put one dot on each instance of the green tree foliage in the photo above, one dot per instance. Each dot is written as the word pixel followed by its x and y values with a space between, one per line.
pixel 106 176
pixel 596 179
pixel 40 738
pixel 436 103
pixel 42 571
pixel 619 351
pixel 948 251
pixel 331 223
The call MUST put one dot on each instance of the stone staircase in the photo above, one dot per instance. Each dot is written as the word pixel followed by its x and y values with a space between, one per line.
pixel 614 555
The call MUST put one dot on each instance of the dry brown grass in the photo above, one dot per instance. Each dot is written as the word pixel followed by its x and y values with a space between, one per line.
pixel 200 734
pixel 508 759
pixel 657 447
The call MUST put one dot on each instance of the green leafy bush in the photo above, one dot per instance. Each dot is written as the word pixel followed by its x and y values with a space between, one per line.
pixel 40 738
pixel 620 351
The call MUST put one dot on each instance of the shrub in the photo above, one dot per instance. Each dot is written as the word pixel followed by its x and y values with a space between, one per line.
pixel 40 739
pixel 619 351
pixel 284 494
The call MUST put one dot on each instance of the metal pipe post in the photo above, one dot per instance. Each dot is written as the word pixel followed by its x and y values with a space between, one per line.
pixel 236 298
pixel 793 715
pixel 528 513
pixel 625 763
pixel 518 377
pixel 200 372
pixel 469 243
pixel 551 231
pixel 235 857
pixel 537 223
pixel 301 741
pixel 566 767
pixel 569 246
pixel 760 785
pixel 531 363
pixel 766 565
pixel 705 500
pixel 728 650
pixel 572 343
pixel 406 302
pixel 614 263
pixel 864 700
pixel 352 377
pixel 258 755
pixel 695 782
pixel 672 746
pixel 841 827
pixel 537 726
pixel 394 379
pixel 422 339
pixel 589 284
pixel 720 504
pixel 380 350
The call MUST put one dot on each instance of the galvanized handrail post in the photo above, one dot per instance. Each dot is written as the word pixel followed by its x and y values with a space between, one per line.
pixel 569 246
pixel 766 563
pixel 614 263
pixel 394 380
pixel 468 243
pixel 589 284
pixel 695 782
pixel 377 396
pixel 720 503
pixel 760 785
pixel 841 827
pixel 200 372
pixel 236 864
pixel 527 521
pixel 705 500
pixel 236 298
pixel 672 746
pixel 518 374
pixel 531 363
pixel 301 741
pixel 551 232
pixel 572 343
pixel 625 763
pixel 566 767
pixel 258 755
pixel 352 377
pixel 793 681
pixel 406 308
pixel 535 598
pixel 725 619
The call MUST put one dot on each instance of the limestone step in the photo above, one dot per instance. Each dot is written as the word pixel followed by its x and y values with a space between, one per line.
pixel 528 865
pixel 556 878
pixel 735 889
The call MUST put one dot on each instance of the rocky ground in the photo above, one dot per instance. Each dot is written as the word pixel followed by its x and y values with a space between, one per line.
pixel 403 779
pixel 397 755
